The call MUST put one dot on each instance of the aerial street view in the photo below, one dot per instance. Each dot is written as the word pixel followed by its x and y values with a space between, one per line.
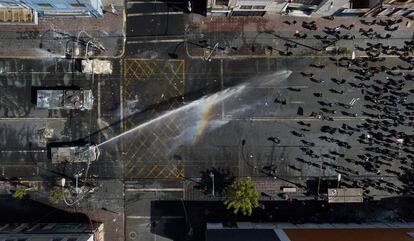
pixel 215 120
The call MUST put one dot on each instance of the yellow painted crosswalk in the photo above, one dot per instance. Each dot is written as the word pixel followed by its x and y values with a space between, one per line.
pixel 161 87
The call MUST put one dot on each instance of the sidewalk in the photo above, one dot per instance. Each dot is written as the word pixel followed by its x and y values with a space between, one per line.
pixel 105 205
pixel 276 23
pixel 268 188
pixel 269 36
pixel 46 40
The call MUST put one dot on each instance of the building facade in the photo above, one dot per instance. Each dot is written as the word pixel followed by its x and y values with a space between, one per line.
pixel 240 7
pixel 52 232
pixel 14 12
pixel 392 8
pixel 66 7
pixel 314 8
pixel 58 7
pixel 311 232
pixel 261 7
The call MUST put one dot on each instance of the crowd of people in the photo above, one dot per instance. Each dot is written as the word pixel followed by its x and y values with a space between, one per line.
pixel 384 133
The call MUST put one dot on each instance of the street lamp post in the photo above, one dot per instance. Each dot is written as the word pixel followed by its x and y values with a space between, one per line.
pixel 339 179
pixel 77 189
pixel 63 182
pixel 76 186
pixel 208 57
pixel 212 179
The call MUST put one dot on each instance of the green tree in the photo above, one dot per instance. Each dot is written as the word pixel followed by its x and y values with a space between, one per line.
pixel 344 51
pixel 20 193
pixel 56 194
pixel 241 196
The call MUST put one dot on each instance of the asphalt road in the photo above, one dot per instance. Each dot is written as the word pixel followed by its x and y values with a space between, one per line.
pixel 23 124
pixel 252 115
pixel 150 23
pixel 187 116
pixel 24 145
pixel 220 114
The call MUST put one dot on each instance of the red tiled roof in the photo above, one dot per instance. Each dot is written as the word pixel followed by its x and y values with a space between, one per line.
pixel 343 234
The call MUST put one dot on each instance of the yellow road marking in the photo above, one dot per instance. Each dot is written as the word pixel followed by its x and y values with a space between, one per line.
pixel 140 160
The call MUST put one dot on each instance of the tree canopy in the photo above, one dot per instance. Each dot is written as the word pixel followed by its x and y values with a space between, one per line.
pixel 242 197
pixel 20 193
pixel 56 194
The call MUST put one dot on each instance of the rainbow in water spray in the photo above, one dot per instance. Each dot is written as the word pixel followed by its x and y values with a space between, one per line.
pixel 206 110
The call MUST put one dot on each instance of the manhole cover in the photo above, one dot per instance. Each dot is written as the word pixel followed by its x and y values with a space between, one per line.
pixel 132 235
